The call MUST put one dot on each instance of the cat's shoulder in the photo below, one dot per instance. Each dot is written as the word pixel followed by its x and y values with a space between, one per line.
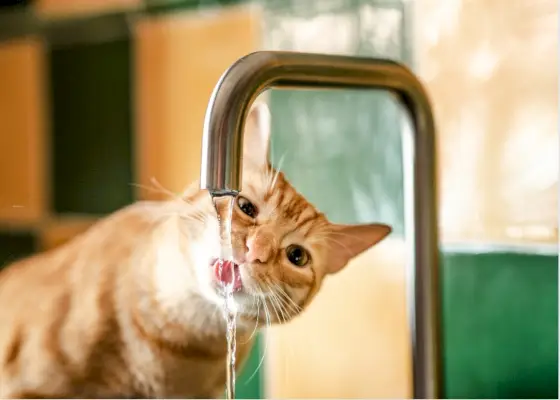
pixel 115 229
pixel 140 213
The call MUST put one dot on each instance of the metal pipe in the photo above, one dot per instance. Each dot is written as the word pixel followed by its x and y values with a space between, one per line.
pixel 222 147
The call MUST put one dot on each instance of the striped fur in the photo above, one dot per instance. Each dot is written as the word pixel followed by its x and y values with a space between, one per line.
pixel 129 308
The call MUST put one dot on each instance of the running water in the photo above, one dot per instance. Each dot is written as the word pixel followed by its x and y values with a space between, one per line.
pixel 224 210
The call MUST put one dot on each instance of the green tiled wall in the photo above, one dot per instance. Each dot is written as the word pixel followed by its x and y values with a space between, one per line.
pixel 500 319
pixel 342 149
pixel 91 127
pixel 249 383
pixel 15 245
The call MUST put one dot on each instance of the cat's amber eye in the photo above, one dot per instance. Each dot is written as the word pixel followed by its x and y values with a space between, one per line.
pixel 247 207
pixel 297 255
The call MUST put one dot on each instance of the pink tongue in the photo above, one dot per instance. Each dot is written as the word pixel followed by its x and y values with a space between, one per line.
pixel 227 272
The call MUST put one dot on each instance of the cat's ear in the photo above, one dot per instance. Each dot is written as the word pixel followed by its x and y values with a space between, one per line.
pixel 257 135
pixel 348 241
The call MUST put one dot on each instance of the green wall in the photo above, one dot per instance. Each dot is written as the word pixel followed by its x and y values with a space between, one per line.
pixel 500 319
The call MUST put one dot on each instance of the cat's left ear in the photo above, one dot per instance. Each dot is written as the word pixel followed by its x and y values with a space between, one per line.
pixel 257 135
pixel 348 241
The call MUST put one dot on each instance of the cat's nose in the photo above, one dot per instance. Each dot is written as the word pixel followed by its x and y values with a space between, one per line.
pixel 260 247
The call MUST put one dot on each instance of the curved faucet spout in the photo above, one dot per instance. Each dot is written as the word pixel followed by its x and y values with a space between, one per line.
pixel 221 170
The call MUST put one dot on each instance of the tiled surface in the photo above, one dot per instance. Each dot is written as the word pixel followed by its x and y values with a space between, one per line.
pixel 15 245
pixel 349 142
pixel 176 72
pixel 22 131
pixel 92 141
pixel 500 325
pixel 491 68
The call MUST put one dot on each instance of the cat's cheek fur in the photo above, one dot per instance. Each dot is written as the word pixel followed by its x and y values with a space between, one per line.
pixel 173 278
pixel 202 250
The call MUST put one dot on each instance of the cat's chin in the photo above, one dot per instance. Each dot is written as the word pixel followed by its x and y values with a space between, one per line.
pixel 245 302
pixel 243 295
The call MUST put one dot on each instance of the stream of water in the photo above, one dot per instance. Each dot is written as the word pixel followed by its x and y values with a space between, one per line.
pixel 224 210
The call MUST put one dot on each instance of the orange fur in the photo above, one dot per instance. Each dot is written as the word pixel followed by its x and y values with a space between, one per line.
pixel 130 308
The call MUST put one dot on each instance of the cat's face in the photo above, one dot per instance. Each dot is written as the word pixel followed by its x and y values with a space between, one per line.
pixel 283 247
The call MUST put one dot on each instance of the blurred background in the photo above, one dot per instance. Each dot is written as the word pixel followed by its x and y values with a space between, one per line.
pixel 98 97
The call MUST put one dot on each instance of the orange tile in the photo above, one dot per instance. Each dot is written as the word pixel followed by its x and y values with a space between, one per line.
pixel 179 59
pixel 56 233
pixel 23 151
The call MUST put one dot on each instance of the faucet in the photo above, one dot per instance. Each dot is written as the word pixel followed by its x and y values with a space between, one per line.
pixel 221 167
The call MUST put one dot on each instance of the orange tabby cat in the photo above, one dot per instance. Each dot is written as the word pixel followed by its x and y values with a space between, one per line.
pixel 132 307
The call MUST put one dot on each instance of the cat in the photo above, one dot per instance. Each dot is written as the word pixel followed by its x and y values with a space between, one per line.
pixel 132 308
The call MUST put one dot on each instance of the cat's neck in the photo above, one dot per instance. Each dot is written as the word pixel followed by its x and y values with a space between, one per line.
pixel 170 302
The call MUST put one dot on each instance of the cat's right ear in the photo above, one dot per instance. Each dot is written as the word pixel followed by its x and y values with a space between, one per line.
pixel 257 135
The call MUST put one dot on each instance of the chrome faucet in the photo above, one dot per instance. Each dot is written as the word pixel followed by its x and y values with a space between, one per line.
pixel 222 147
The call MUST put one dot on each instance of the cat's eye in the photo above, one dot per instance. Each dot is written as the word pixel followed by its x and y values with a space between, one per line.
pixel 297 255
pixel 247 207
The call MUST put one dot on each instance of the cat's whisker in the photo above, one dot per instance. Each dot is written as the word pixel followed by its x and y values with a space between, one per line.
pixel 152 257
pixel 275 178
pixel 288 299
pixel 278 292
pixel 196 207
pixel 257 321
pixel 272 182
pixel 284 311
pixel 272 303
pixel 323 239
pixel 355 238
pixel 154 190
pixel 159 186
pixel 347 235
pixel 275 302
pixel 289 305
pixel 267 316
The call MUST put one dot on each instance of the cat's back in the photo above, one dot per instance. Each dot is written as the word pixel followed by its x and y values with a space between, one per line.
pixel 89 254
pixel 57 306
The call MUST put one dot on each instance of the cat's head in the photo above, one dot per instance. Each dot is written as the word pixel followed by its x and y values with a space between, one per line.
pixel 283 247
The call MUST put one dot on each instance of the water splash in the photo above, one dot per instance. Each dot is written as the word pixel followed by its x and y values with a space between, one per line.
pixel 224 210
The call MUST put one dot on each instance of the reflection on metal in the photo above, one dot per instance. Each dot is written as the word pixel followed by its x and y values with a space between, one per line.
pixel 222 161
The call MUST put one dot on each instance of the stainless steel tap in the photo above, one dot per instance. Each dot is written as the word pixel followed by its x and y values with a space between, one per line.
pixel 222 147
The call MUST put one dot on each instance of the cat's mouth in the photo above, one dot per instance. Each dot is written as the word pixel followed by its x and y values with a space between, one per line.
pixel 226 274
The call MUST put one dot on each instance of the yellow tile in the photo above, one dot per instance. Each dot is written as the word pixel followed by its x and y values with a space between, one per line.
pixel 179 59
pixel 353 341
pixel 491 68
pixel 23 172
